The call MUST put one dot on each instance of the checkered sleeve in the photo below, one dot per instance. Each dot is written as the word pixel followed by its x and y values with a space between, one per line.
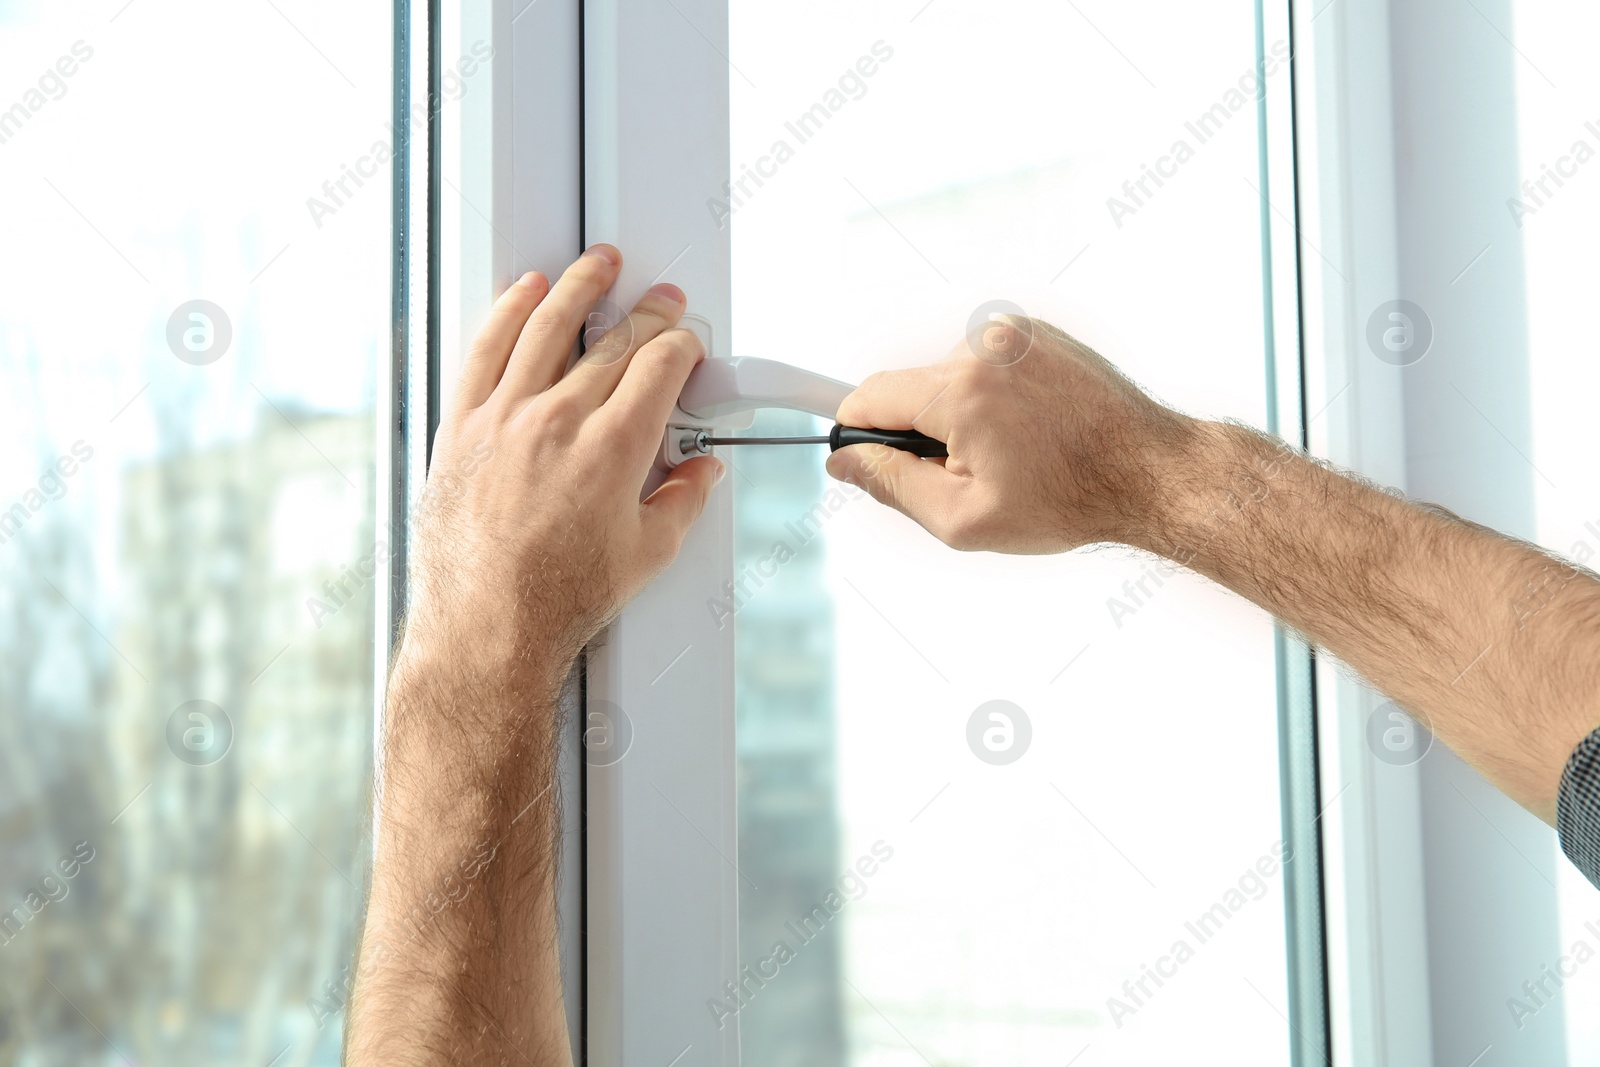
pixel 1578 808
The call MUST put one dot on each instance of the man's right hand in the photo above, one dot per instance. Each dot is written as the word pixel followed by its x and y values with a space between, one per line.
pixel 1488 641
pixel 1050 447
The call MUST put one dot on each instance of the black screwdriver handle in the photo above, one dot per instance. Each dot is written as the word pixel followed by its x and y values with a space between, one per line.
pixel 918 444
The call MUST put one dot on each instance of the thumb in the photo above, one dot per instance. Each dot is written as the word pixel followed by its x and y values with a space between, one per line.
pixel 917 487
pixel 680 498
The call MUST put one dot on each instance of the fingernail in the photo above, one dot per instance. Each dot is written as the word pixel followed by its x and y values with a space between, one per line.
pixel 532 278
pixel 605 252
pixel 668 290
pixel 721 471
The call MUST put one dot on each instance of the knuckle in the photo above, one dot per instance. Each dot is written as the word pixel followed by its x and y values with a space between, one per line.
pixel 542 329
pixel 557 410
pixel 609 427
pixel 679 344
pixel 614 345
pixel 873 383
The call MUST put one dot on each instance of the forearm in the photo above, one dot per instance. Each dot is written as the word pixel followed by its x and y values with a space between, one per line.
pixel 1491 643
pixel 459 959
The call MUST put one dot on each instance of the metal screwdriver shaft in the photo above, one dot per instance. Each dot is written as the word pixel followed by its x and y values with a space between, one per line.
pixel 765 440
pixel 917 444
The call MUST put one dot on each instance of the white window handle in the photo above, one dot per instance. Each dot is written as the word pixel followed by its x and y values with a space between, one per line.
pixel 725 393
pixel 719 388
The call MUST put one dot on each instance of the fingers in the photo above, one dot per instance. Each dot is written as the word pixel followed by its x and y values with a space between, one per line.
pixel 679 500
pixel 902 400
pixel 644 399
pixel 919 488
pixel 546 341
pixel 486 360
pixel 596 375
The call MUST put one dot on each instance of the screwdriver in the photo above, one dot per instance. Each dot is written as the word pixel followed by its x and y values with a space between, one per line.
pixel 918 444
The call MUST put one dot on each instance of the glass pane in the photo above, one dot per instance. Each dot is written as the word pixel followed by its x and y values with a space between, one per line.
pixel 914 901
pixel 195 320
pixel 1562 277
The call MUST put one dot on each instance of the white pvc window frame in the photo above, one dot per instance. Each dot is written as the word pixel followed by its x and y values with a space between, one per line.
pixel 1440 890
pixel 1372 830
pixel 607 121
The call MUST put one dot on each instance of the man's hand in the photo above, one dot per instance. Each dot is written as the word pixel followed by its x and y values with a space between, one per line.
pixel 529 538
pixel 1050 447
pixel 1490 642
pixel 531 532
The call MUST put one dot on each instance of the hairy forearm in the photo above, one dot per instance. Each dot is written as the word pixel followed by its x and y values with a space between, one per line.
pixel 459 961
pixel 1491 643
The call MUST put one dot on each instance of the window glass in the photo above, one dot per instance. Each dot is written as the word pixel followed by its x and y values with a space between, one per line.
pixel 195 305
pixel 996 810
pixel 1554 216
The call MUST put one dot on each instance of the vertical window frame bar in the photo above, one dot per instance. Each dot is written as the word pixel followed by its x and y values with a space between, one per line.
pixel 1287 416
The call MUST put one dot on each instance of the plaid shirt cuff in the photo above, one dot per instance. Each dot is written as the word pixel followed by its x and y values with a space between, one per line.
pixel 1578 808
